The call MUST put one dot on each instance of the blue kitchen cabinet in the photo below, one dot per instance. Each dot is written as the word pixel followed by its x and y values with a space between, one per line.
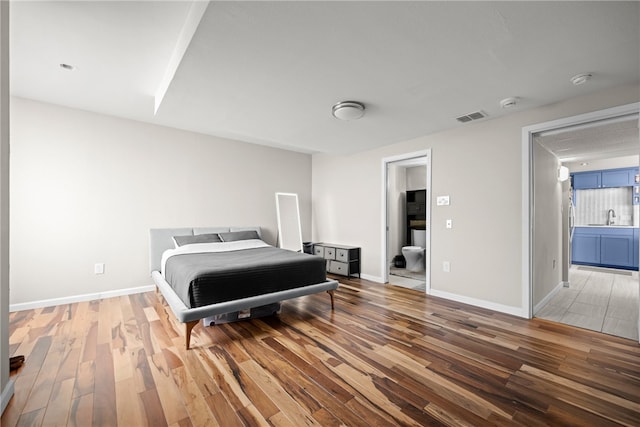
pixel 617 178
pixel 636 250
pixel 605 247
pixel 583 180
pixel 585 247
pixel 616 247
pixel 623 177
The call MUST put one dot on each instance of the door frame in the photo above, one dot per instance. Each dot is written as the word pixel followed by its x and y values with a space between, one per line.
pixel 527 186
pixel 426 154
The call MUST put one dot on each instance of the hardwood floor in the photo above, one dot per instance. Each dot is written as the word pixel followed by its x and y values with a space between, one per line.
pixel 386 356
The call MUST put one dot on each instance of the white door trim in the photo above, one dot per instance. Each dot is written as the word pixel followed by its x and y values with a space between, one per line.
pixel 384 259
pixel 527 183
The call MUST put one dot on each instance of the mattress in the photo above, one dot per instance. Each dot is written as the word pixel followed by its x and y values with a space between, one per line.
pixel 210 273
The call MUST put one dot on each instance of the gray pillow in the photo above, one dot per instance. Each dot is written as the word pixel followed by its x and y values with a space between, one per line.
pixel 198 238
pixel 232 236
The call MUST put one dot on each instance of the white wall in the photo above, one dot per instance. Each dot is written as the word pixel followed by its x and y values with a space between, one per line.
pixel 6 384
pixel 478 165
pixel 416 177
pixel 86 188
pixel 547 218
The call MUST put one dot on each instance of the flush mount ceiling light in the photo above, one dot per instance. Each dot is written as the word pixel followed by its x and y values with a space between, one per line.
pixel 348 110
pixel 579 79
pixel 508 102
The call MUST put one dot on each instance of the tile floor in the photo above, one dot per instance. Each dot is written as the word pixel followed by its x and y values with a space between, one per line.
pixel 602 300
pixel 411 281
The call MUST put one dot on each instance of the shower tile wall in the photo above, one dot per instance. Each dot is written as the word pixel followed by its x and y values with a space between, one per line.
pixel 592 205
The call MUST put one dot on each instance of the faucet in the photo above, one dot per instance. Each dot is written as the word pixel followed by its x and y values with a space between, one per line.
pixel 610 215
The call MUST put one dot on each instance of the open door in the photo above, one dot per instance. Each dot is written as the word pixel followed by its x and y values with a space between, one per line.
pixel 545 147
pixel 392 232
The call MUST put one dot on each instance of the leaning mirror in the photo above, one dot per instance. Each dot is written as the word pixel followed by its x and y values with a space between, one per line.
pixel 289 231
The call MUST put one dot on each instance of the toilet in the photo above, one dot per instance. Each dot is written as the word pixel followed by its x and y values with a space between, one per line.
pixel 414 255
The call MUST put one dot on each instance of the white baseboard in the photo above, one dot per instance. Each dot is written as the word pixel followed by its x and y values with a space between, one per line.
pixel 7 394
pixel 79 298
pixel 516 311
pixel 507 309
pixel 546 299
pixel 372 278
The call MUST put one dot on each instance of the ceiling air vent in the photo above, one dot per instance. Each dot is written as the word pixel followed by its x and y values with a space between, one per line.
pixel 471 116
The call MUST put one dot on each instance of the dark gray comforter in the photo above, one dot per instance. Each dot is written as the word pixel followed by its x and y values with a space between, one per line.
pixel 202 279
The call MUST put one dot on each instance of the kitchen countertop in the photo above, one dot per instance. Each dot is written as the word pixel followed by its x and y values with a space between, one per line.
pixel 607 226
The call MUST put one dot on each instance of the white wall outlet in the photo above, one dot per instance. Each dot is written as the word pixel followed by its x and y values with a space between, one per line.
pixel 446 266
pixel 449 223
pixel 442 200
pixel 98 268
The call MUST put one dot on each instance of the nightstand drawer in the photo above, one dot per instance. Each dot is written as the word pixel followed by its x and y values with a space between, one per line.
pixel 346 255
pixel 336 267
pixel 329 253
pixel 318 250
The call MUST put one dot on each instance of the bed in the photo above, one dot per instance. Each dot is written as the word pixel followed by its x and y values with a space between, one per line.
pixel 208 271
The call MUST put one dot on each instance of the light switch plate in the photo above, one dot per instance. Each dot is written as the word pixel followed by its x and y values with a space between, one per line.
pixel 442 200
pixel 449 223
pixel 98 268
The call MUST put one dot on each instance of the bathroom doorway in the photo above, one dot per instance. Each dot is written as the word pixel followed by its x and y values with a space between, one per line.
pixel 407 210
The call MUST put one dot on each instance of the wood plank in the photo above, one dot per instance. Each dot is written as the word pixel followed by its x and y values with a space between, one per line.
pixel 130 409
pixel 81 413
pixel 195 403
pixel 57 411
pixel 13 411
pixel 85 379
pixel 385 356
pixel 153 408
pixel 104 396
pixel 289 407
pixel 168 393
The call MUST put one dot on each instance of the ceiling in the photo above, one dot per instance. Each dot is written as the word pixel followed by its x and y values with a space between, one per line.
pixel 604 139
pixel 269 72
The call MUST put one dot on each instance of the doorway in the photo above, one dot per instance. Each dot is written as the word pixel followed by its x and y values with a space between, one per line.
pixel 557 289
pixel 406 216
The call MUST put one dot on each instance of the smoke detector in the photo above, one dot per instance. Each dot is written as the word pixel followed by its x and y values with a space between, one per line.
pixel 580 79
pixel 508 102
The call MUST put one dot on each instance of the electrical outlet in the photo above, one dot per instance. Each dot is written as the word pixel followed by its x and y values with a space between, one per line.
pixel 98 268
pixel 446 266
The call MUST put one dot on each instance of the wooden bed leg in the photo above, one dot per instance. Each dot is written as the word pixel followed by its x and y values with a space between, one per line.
pixel 187 332
pixel 331 295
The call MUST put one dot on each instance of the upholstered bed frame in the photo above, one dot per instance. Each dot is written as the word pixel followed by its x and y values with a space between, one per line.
pixel 161 239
